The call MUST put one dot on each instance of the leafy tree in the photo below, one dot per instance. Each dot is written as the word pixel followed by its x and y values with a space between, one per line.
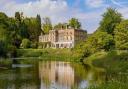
pixel 38 18
pixel 3 48
pixel 5 39
pixel 47 25
pixel 102 40
pixel 18 16
pixel 74 23
pixel 23 32
pixel 96 42
pixel 33 28
pixel 60 26
pixel 25 43
pixel 15 32
pixel 3 20
pixel 110 19
pixel 121 35
pixel 3 33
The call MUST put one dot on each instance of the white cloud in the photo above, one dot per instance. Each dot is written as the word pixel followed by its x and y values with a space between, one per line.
pixel 51 8
pixel 122 8
pixel 91 19
pixel 94 3
pixel 124 12
pixel 116 3
pixel 59 11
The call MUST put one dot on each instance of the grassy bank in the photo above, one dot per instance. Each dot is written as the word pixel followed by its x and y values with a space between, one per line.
pixel 116 65
pixel 47 54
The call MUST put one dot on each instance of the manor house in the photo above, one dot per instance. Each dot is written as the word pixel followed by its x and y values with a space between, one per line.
pixel 63 38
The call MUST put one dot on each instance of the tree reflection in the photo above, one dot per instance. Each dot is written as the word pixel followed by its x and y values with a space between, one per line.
pixel 65 75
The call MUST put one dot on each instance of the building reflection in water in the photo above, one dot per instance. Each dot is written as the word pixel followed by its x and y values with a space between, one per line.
pixel 66 75
pixel 51 75
pixel 56 75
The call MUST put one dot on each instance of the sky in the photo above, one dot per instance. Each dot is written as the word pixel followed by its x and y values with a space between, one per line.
pixel 88 12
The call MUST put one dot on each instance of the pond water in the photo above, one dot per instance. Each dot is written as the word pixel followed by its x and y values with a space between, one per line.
pixel 50 75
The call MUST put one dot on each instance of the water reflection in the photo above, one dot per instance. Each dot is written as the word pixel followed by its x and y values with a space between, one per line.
pixel 50 75
pixel 65 75
pixel 20 78
pixel 59 75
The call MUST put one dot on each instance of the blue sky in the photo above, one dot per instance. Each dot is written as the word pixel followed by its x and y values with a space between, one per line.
pixel 87 11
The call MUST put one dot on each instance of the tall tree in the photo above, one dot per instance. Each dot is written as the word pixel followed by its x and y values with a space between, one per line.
pixel 74 23
pixel 38 18
pixel 101 40
pixel 47 25
pixel 121 35
pixel 4 34
pixel 33 28
pixel 110 19
pixel 18 16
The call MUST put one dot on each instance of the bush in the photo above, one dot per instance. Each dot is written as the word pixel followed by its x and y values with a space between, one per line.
pixel 25 43
pixel 34 44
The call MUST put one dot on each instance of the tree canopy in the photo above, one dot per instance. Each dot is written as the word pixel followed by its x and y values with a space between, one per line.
pixel 110 19
pixel 47 25
pixel 74 23
pixel 121 35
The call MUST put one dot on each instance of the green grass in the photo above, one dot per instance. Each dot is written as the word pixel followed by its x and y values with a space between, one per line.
pixel 47 54
pixel 116 65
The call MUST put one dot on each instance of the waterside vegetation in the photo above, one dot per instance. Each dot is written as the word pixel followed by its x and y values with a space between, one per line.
pixel 107 47
pixel 116 65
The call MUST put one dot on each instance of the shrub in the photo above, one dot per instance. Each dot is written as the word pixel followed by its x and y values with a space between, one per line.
pixel 25 43
pixel 34 44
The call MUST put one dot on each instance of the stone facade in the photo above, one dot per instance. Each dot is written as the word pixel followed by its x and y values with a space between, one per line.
pixel 64 38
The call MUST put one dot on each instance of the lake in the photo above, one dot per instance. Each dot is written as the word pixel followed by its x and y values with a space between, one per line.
pixel 50 75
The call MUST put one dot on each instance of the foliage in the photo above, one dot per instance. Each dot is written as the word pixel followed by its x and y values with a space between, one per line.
pixel 33 28
pixel 18 16
pixel 4 34
pixel 60 26
pixel 74 23
pixel 101 40
pixel 47 25
pixel 11 52
pixel 14 30
pixel 96 42
pixel 34 44
pixel 38 20
pixel 3 48
pixel 115 63
pixel 121 35
pixel 47 54
pixel 25 43
pixel 110 19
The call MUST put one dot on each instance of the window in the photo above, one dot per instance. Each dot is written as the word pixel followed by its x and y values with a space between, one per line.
pixel 70 37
